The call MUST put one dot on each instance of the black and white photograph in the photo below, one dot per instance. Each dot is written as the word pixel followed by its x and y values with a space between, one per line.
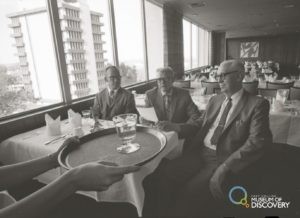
pixel 149 109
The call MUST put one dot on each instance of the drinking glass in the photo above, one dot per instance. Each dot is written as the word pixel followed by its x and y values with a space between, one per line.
pixel 86 114
pixel 126 129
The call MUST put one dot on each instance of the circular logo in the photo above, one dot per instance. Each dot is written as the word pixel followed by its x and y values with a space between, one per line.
pixel 242 201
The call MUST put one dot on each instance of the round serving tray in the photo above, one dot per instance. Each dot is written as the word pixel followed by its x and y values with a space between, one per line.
pixel 102 146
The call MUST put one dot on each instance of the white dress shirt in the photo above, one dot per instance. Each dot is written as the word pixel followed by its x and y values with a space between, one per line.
pixel 235 98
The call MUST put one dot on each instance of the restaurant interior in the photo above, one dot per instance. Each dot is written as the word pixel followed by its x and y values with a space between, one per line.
pixel 56 51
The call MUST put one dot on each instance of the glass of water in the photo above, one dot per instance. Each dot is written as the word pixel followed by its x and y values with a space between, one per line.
pixel 126 129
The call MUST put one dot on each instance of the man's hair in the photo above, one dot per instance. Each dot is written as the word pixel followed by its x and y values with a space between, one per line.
pixel 112 67
pixel 167 70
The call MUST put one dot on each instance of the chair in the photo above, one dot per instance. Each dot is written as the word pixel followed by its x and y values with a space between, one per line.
pixel 278 85
pixel 217 90
pixel 251 87
pixel 210 86
pixel 295 93
pixel 267 92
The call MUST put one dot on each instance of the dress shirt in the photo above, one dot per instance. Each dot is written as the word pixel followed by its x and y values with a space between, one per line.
pixel 235 98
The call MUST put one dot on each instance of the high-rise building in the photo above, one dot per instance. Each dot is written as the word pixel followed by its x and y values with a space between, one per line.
pixel 83 46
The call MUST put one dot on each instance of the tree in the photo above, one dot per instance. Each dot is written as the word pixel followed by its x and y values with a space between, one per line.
pixel 11 100
pixel 128 73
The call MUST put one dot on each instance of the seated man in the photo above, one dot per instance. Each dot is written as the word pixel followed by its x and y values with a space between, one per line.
pixel 56 199
pixel 173 106
pixel 234 135
pixel 113 100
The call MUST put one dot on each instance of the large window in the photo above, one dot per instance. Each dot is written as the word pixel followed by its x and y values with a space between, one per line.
pixel 87 41
pixel 154 33
pixel 196 45
pixel 187 44
pixel 129 28
pixel 28 67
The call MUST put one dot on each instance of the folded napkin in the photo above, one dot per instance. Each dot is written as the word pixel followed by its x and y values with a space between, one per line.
pixel 52 126
pixel 282 95
pixel 74 119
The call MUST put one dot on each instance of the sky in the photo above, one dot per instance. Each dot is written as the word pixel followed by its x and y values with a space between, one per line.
pixel 128 27
pixel 8 51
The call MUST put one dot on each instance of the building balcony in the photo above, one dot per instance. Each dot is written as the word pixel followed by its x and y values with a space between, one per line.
pixel 74 29
pixel 82 92
pixel 80 81
pixel 77 51
pixel 76 61
pixel 21 54
pixel 78 71
pixel 19 44
pixel 74 40
pixel 16 35
pixel 96 22
pixel 66 17
pixel 23 63
pixel 16 24
pixel 99 51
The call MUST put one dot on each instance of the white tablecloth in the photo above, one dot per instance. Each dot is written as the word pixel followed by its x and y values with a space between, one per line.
pixel 31 145
pixel 285 128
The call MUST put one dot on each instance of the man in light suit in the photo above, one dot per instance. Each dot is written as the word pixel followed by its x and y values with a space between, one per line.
pixel 173 106
pixel 234 135
pixel 113 100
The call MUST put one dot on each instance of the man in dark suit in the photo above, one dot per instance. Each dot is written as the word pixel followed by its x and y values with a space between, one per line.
pixel 174 107
pixel 233 136
pixel 113 100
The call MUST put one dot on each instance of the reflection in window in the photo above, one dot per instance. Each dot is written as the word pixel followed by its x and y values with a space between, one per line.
pixel 187 44
pixel 87 43
pixel 26 48
pixel 129 32
pixel 154 31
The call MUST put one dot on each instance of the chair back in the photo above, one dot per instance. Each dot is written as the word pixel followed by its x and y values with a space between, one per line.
pixel 267 92
pixel 210 86
pixel 251 87
pixel 277 85
pixel 217 90
pixel 295 93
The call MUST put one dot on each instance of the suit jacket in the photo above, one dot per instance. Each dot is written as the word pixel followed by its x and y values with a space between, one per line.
pixel 246 133
pixel 183 111
pixel 122 103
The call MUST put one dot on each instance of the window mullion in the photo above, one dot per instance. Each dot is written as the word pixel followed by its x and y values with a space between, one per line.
pixel 145 38
pixel 59 50
pixel 113 31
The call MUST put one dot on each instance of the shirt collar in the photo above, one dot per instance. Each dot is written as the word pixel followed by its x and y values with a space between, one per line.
pixel 170 93
pixel 115 91
pixel 236 96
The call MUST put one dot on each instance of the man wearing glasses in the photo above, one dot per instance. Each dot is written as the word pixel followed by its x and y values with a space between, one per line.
pixel 113 100
pixel 234 135
pixel 174 107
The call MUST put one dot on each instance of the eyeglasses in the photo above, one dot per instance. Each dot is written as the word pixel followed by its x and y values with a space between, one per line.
pixel 165 79
pixel 113 78
pixel 223 75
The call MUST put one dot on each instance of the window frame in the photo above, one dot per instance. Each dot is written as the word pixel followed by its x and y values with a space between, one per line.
pixel 67 101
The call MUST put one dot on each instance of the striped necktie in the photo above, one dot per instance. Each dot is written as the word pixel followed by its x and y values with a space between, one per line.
pixel 218 131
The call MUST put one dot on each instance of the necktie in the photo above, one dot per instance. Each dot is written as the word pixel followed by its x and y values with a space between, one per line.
pixel 167 103
pixel 111 96
pixel 218 131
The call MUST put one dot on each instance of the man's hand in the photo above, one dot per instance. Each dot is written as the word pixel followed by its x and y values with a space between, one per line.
pixel 72 141
pixel 168 126
pixel 215 183
pixel 98 176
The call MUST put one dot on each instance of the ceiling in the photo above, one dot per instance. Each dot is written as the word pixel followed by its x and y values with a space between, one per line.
pixel 241 18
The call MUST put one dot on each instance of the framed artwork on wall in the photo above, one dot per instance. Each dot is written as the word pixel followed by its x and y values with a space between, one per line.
pixel 249 49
